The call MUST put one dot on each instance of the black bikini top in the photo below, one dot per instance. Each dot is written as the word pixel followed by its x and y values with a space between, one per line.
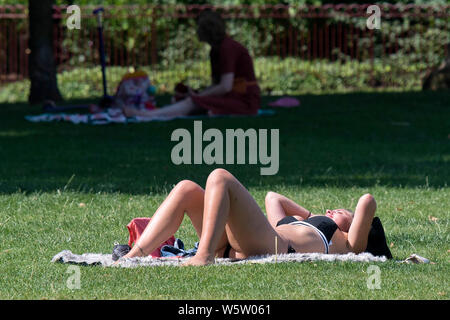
pixel 323 223
pixel 376 244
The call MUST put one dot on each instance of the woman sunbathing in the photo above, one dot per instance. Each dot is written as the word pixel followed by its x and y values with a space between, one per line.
pixel 229 223
pixel 234 89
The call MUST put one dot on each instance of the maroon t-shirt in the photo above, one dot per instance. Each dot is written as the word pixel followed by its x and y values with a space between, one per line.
pixel 233 57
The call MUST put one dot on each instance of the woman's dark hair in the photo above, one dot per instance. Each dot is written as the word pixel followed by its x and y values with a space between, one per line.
pixel 211 27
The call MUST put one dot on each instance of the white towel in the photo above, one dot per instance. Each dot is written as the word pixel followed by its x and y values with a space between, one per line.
pixel 105 260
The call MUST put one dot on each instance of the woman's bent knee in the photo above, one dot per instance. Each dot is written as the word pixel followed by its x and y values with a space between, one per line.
pixel 219 176
pixel 188 186
pixel 271 196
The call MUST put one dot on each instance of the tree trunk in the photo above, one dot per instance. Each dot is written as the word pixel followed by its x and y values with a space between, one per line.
pixel 42 68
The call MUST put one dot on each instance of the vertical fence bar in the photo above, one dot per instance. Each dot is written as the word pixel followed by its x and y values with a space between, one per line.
pixel 108 47
pixel 315 42
pixel 154 38
pixel 327 41
pixel 26 53
pixel 126 50
pixel 13 51
pixel 166 37
pixel 145 60
pixel 333 42
pixel 309 45
pixel 2 46
pixel 358 40
pixel 351 42
pixel 295 43
pixel 345 40
pixel 55 34
pixel 93 39
pixel 115 53
pixel 340 37
pixel 277 41
pixel 20 64
pixel 302 44
pixel 290 41
pixel 123 49
pixel 372 56
pixel 60 58
pixel 3 49
pixel 136 47
pixel 9 48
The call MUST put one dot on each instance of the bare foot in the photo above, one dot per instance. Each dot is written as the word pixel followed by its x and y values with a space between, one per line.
pixel 199 261
pixel 118 261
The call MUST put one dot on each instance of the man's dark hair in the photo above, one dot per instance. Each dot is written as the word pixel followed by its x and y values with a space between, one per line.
pixel 211 27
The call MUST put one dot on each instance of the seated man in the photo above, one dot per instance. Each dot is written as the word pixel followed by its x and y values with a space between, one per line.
pixel 234 88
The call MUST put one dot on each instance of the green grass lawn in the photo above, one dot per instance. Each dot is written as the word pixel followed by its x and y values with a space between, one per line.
pixel 65 186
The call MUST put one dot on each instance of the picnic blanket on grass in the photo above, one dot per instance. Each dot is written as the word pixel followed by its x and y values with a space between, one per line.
pixel 105 260
pixel 116 116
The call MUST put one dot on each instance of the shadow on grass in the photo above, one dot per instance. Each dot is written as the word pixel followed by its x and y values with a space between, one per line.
pixel 344 140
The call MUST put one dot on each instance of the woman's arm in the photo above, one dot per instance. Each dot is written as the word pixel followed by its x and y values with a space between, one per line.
pixel 362 221
pixel 278 207
pixel 225 85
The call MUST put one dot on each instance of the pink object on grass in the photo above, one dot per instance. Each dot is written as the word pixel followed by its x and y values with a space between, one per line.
pixel 285 102
pixel 137 226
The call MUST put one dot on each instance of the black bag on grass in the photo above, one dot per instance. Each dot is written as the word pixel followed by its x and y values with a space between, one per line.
pixel 119 251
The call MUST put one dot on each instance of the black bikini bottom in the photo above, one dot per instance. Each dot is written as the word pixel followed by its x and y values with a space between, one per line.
pixel 226 253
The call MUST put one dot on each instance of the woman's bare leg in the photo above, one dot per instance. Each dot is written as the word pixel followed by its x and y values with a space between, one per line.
pixel 180 108
pixel 187 197
pixel 228 205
